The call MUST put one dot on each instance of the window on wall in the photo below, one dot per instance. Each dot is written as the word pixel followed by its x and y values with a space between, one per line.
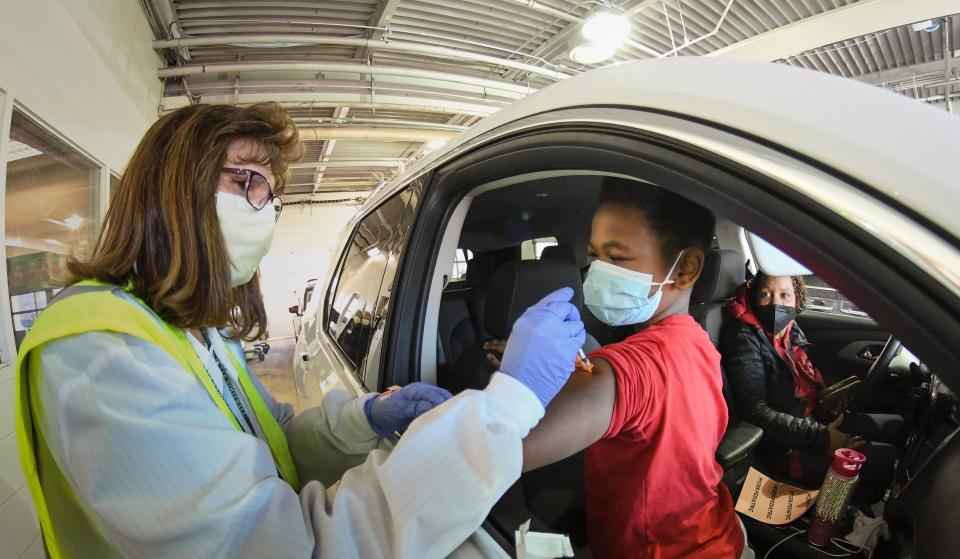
pixel 51 212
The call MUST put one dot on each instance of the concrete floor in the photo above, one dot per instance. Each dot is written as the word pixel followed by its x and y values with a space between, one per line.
pixel 276 371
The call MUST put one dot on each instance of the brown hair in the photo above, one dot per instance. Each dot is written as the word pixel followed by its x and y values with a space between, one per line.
pixel 161 236
pixel 799 289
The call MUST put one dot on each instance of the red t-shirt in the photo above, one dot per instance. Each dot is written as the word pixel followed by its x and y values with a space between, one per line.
pixel 652 482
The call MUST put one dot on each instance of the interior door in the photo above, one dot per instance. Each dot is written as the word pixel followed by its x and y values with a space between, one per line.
pixel 846 341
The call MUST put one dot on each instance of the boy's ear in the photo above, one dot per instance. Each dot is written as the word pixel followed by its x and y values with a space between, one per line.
pixel 688 269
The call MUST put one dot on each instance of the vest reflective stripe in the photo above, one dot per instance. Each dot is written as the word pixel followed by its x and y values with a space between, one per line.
pixel 90 306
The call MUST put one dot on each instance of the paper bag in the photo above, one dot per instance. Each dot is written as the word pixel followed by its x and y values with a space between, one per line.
pixel 773 502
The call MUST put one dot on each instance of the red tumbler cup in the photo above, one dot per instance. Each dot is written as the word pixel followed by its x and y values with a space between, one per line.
pixel 835 495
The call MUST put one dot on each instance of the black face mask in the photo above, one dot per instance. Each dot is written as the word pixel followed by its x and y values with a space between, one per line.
pixel 774 318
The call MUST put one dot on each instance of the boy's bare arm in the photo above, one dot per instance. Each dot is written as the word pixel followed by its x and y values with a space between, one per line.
pixel 575 419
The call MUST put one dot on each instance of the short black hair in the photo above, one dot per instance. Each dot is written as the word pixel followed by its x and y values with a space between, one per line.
pixel 677 222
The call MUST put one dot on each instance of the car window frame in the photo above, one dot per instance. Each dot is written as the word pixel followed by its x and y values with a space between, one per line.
pixel 408 214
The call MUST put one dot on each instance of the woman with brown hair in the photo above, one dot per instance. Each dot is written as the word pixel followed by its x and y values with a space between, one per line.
pixel 142 432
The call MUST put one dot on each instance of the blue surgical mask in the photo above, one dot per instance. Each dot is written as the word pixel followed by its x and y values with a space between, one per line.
pixel 618 296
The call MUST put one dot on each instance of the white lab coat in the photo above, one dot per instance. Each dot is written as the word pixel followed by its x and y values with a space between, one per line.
pixel 165 474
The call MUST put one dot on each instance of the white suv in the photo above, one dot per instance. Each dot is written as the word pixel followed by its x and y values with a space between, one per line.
pixel 857 183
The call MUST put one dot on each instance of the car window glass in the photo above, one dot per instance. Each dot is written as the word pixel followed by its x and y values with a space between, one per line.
pixel 533 248
pixel 460 264
pixel 354 308
pixel 372 364
pixel 823 298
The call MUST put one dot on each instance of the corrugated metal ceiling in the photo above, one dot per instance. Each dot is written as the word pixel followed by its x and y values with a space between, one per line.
pixel 442 92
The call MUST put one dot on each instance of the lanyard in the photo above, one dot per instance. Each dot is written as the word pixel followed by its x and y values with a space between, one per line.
pixel 228 382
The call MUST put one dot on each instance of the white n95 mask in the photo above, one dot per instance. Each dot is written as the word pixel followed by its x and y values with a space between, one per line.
pixel 247 232
pixel 618 296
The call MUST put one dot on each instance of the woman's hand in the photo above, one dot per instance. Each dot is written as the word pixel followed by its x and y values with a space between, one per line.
pixel 394 410
pixel 838 439
pixel 542 349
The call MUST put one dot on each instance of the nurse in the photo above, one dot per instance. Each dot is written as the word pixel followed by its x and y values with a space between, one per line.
pixel 142 433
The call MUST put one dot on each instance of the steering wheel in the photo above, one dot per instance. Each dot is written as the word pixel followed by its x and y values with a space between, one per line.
pixel 876 374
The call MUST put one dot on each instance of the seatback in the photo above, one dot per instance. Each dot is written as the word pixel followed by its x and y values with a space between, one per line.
pixel 454 326
pixel 514 287
pixel 480 269
pixel 722 273
pixel 559 252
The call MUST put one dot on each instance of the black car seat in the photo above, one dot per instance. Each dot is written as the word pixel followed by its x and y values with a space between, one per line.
pixel 480 269
pixel 723 272
pixel 454 327
pixel 514 287
pixel 559 252
pixel 460 320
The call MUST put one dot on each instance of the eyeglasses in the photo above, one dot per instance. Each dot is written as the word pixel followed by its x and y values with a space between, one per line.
pixel 257 189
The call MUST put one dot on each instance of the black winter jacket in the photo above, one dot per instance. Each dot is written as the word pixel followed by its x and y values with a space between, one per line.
pixel 763 390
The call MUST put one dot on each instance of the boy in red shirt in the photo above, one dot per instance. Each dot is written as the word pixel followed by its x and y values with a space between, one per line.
pixel 651 413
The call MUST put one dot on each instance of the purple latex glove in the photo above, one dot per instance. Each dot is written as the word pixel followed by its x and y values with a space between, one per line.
pixel 394 410
pixel 542 350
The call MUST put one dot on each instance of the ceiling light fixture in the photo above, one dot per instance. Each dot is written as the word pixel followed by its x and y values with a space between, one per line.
pixel 606 28
pixel 591 53
pixel 604 32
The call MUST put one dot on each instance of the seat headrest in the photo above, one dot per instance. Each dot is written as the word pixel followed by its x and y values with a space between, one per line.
pixel 559 252
pixel 480 268
pixel 516 286
pixel 723 271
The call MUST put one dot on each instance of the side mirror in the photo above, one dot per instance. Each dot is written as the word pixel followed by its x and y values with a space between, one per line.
pixel 295 310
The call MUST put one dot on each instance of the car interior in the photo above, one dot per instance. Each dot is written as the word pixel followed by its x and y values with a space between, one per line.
pixel 523 240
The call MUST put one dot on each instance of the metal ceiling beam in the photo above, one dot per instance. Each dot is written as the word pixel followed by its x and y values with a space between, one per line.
pixel 350 121
pixel 358 164
pixel 380 21
pixel 948 63
pixel 452 92
pixel 372 44
pixel 549 10
pixel 332 100
pixel 855 20
pixel 327 150
pixel 162 16
pixel 640 6
pixel 905 73
pixel 314 133
pixel 342 68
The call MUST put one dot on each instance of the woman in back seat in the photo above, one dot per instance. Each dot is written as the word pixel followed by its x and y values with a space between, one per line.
pixel 651 413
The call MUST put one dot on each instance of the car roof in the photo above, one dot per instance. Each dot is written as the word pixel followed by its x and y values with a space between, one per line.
pixel 904 149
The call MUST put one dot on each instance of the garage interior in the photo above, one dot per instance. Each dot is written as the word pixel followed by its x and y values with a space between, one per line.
pixel 374 86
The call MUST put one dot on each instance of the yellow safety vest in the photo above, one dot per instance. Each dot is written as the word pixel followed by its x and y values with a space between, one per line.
pixel 92 307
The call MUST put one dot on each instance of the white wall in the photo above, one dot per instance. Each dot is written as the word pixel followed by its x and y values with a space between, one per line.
pixel 303 246
pixel 86 69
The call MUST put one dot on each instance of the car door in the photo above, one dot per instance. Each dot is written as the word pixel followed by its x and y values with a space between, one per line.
pixel 846 340
pixel 336 348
